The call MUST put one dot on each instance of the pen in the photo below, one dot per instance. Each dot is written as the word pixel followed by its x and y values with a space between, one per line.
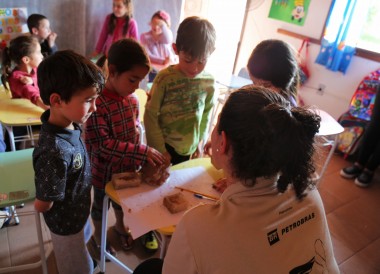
pixel 200 196
pixel 195 192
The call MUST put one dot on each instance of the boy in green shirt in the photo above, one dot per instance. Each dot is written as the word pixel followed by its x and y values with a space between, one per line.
pixel 178 113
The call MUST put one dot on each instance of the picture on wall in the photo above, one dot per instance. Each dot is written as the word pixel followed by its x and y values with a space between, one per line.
pixel 12 23
pixel 293 11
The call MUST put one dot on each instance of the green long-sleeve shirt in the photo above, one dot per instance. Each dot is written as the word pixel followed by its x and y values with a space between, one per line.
pixel 178 112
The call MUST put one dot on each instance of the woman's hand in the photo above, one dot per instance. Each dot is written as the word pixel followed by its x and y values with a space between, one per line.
pixel 221 185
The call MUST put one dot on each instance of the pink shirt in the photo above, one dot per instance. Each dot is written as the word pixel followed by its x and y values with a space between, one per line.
pixel 105 39
pixel 21 90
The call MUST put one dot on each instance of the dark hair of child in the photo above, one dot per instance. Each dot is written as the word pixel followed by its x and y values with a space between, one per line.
pixel 196 37
pixel 101 61
pixel 19 47
pixel 65 72
pixel 265 146
pixel 276 61
pixel 33 21
pixel 113 19
pixel 127 53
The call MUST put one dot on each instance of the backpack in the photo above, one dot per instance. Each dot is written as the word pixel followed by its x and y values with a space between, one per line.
pixel 363 100
pixel 349 140
pixel 356 119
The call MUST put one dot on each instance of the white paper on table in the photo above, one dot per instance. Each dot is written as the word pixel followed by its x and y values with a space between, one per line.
pixel 143 206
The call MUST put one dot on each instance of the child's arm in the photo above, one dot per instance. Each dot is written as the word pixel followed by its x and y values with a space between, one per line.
pixel 110 143
pixel 205 122
pixel 50 177
pixel 32 92
pixel 41 104
pixel 133 31
pixel 154 135
pixel 102 37
pixel 51 41
pixel 167 36
pixel 42 206
pixel 28 90
pixel 26 80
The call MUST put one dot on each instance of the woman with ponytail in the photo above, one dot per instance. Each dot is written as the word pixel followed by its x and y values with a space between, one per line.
pixel 260 224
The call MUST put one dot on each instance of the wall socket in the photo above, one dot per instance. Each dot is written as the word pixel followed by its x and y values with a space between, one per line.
pixel 321 89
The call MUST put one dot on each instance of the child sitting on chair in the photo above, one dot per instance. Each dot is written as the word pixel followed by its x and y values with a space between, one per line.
pixel 61 164
pixel 39 27
pixel 182 96
pixel 19 70
pixel 158 42
pixel 25 53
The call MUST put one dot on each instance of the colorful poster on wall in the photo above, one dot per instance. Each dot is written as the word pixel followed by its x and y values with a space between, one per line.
pixel 12 23
pixel 293 11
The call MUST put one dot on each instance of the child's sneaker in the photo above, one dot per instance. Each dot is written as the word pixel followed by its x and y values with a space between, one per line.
pixel 149 242
pixel 351 172
pixel 364 179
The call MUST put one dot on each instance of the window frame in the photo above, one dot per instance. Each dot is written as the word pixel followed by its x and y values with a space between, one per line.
pixel 360 52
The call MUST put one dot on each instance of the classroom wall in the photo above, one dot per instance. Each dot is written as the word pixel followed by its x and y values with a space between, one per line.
pixel 78 22
pixel 339 87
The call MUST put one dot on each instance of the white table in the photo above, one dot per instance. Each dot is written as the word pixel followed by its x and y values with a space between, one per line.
pixel 234 82
pixel 329 132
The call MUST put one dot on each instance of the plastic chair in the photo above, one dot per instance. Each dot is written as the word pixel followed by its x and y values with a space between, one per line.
pixel 17 185
pixel 143 98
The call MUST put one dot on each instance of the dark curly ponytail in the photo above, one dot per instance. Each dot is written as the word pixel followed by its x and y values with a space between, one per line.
pixel 269 137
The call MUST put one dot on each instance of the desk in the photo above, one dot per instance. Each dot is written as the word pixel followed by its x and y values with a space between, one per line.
pixel 234 82
pixel 19 112
pixel 328 132
pixel 112 194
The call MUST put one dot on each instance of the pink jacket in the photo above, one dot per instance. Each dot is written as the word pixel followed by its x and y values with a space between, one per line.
pixel 105 40
pixel 21 90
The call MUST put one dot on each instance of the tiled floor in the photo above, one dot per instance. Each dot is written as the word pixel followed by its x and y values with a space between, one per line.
pixel 352 213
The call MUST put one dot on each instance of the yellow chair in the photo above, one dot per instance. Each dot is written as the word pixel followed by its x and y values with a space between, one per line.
pixel 17 187
pixel 143 98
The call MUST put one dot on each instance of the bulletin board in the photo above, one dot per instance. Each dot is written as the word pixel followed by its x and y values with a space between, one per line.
pixel 12 23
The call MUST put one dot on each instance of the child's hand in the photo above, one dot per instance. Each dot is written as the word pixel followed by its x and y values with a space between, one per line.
pixel 26 80
pixel 155 158
pixel 196 154
pixel 155 175
pixel 207 149
pixel 199 152
pixel 51 39
pixel 168 158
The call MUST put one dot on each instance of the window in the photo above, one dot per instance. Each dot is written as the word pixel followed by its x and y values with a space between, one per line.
pixel 369 38
pixel 350 29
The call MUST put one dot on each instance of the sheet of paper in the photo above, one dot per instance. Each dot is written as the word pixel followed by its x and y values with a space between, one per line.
pixel 143 206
